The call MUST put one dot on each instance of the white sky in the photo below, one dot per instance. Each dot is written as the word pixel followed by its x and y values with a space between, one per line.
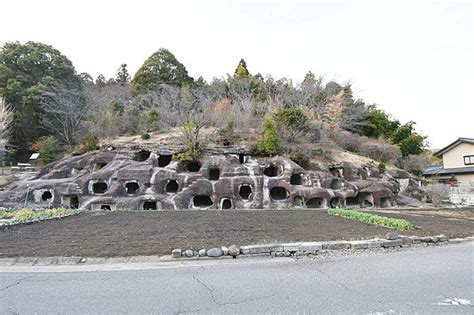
pixel 414 58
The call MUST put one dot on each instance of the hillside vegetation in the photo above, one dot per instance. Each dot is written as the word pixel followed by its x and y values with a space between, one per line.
pixel 49 108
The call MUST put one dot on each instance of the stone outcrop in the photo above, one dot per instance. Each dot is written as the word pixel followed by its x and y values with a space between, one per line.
pixel 151 180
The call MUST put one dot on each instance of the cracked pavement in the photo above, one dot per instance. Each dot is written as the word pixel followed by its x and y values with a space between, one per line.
pixel 425 280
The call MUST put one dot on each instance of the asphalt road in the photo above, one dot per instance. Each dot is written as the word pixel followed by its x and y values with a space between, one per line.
pixel 428 280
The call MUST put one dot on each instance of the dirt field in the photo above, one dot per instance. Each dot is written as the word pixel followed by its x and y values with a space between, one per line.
pixel 128 233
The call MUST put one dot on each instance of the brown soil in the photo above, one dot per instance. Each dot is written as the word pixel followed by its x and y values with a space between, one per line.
pixel 129 233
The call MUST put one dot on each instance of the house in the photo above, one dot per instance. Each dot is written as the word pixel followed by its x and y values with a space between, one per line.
pixel 458 164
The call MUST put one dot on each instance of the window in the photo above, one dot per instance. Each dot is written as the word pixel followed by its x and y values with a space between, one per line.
pixel 469 160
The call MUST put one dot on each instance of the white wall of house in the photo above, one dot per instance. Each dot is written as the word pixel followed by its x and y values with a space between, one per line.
pixel 455 157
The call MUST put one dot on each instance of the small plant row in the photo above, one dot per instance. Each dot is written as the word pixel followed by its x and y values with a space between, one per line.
pixel 396 224
pixel 29 215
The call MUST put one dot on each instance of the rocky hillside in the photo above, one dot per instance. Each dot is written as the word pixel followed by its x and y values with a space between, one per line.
pixel 130 173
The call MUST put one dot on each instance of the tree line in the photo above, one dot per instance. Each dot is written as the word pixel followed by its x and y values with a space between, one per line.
pixel 45 102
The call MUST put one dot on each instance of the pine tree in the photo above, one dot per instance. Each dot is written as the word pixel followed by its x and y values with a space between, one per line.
pixel 123 76
pixel 269 143
pixel 241 71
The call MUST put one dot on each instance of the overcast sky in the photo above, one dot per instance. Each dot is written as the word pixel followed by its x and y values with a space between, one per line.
pixel 414 58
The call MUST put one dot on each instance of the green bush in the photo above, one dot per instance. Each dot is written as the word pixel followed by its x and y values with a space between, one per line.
pixel 292 118
pixel 269 143
pixel 396 224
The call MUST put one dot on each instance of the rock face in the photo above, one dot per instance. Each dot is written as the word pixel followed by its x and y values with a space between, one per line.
pixel 147 180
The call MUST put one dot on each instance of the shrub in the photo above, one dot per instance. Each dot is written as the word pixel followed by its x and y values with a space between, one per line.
pixel 292 118
pixel 150 119
pixel 269 143
pixel 89 143
pixel 437 193
pixel 48 148
pixel 396 224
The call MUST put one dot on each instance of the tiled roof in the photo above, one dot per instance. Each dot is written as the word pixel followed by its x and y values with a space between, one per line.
pixel 439 170
pixel 452 145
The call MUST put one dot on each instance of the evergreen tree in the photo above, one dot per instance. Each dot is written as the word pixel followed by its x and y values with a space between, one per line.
pixel 160 68
pixel 241 71
pixel 123 76
pixel 26 71
pixel 269 143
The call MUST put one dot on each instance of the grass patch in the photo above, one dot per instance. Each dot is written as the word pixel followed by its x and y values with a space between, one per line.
pixel 396 224
pixel 4 214
pixel 28 215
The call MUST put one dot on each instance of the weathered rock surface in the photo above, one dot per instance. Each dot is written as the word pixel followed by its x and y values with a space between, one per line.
pixel 152 180
pixel 234 250
pixel 215 252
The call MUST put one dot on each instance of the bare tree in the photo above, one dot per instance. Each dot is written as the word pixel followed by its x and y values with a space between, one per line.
pixel 438 193
pixel 64 112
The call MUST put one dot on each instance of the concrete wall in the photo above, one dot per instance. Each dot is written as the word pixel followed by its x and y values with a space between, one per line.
pixel 455 157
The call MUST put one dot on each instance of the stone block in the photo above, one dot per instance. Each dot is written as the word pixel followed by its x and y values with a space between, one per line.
pixel 336 245
pixel 425 239
pixel 310 246
pixel 176 253
pixel 374 244
pixel 391 243
pixel 359 244
pixel 261 249
pixel 406 240
pixel 291 247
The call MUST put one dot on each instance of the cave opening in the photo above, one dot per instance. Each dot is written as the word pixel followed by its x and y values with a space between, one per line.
pixel 214 173
pixel 315 203
pixel 352 202
pixel 367 204
pixel 46 196
pixel 105 207
pixel 385 202
pixel 132 187
pixel 99 166
pixel 245 191
pixel 149 205
pixel 193 166
pixel 336 184
pixel 335 171
pixel 278 193
pixel 172 186
pixel 241 158
pixel 74 202
pixel 142 156
pixel 202 201
pixel 164 160
pixel 226 203
pixel 99 187
pixel 296 179
pixel 271 171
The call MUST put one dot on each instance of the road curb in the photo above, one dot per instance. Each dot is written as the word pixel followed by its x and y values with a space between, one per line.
pixel 273 250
